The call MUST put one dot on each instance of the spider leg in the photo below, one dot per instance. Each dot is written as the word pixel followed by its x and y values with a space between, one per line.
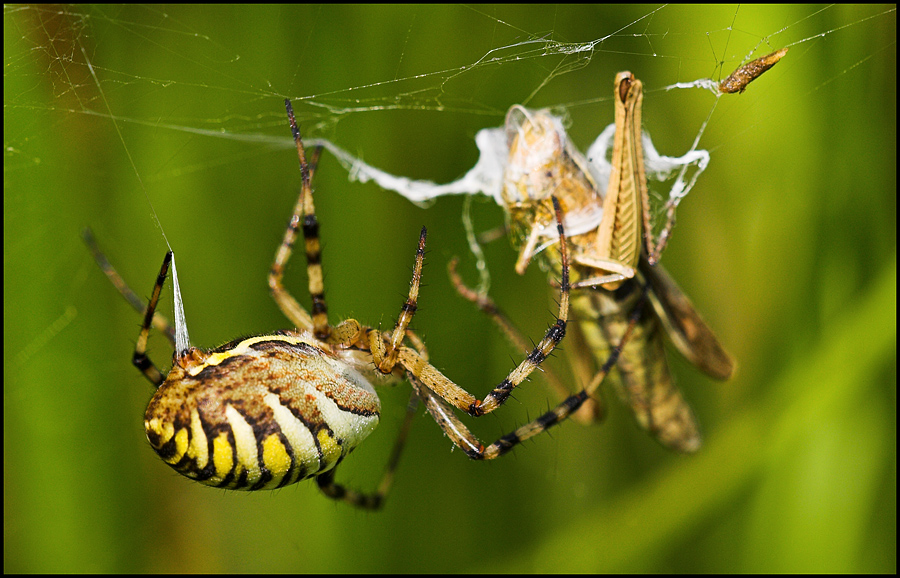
pixel 434 380
pixel 386 356
pixel 463 438
pixel 592 409
pixel 140 359
pixel 303 218
pixel 159 321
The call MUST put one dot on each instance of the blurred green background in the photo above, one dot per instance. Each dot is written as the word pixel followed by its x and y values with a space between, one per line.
pixel 787 245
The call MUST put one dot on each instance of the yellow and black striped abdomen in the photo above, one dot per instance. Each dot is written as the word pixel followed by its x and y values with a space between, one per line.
pixel 260 413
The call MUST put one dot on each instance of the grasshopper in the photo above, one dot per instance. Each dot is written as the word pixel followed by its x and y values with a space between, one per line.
pixel 615 269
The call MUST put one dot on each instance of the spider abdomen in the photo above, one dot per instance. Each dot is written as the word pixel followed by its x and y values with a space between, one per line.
pixel 260 413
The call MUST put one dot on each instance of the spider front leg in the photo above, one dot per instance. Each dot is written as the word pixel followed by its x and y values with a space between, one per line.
pixel 592 410
pixel 463 438
pixel 386 356
pixel 435 381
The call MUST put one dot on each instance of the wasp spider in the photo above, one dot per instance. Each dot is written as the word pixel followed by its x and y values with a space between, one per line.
pixel 271 410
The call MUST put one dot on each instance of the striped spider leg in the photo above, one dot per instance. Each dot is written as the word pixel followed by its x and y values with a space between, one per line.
pixel 568 408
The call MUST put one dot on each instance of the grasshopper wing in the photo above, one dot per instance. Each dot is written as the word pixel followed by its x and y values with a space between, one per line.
pixel 684 326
